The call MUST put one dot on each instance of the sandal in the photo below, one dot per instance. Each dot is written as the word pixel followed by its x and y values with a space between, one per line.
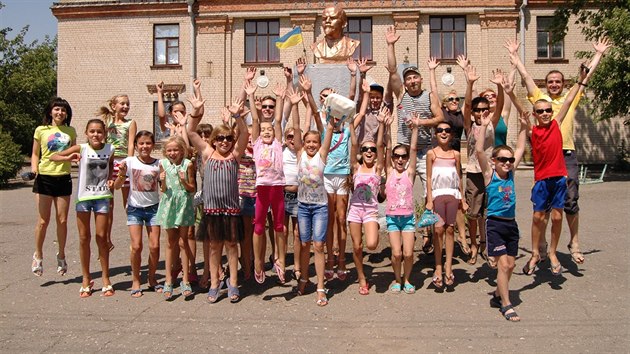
pixel 186 290
pixel 437 281
pixel 528 268
pixel 409 289
pixel 233 292
pixel 329 274
pixel 36 267
pixel 107 291
pixel 427 245
pixel 484 251
pixel 62 266
pixel 395 288
pixel 213 295
pixel 576 255
pixel 87 291
pixel 463 246
pixel 301 288
pixel 492 262
pixel 167 291
pixel 510 316
pixel 279 272
pixel 364 290
pixel 556 269
pixel 156 288
pixel 260 277
pixel 297 274
pixel 474 252
pixel 136 293
pixel 342 272
pixel 449 279
pixel 322 301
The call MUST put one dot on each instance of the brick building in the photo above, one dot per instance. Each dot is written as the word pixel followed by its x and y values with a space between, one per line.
pixel 109 47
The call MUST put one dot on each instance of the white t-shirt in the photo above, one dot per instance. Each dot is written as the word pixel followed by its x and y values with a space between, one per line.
pixel 94 173
pixel 289 162
pixel 311 177
pixel 143 178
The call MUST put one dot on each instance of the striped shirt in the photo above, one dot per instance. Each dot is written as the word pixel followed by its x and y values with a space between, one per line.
pixel 220 190
pixel 420 104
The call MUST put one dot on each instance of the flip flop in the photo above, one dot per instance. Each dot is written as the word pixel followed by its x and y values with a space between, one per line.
pixel 62 265
pixel 107 291
pixel 395 288
pixel 279 272
pixel 437 281
pixel 528 269
pixel 463 246
pixel 409 289
pixel 556 269
pixel 364 290
pixel 156 288
pixel 576 255
pixel 321 302
pixel 136 293
pixel 449 279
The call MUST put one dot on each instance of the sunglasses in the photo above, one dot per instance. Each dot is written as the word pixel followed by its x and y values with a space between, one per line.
pixel 480 109
pixel 451 99
pixel 396 156
pixel 268 106
pixel 504 159
pixel 490 95
pixel 368 148
pixel 290 136
pixel 547 110
pixel 446 130
pixel 228 138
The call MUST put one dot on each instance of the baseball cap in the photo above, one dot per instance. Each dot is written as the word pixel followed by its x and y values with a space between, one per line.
pixel 411 69
pixel 377 87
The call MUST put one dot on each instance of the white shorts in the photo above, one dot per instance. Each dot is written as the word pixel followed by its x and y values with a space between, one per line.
pixel 421 169
pixel 336 183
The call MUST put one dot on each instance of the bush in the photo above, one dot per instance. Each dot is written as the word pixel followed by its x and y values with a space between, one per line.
pixel 11 159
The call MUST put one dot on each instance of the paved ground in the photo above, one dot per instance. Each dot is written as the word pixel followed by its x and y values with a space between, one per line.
pixel 584 310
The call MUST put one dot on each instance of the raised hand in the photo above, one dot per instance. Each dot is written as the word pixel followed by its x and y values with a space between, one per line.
pixel 179 118
pixel 508 84
pixel 300 64
pixel 279 90
pixel 363 66
pixel 225 116
pixel 471 74
pixel 498 77
pixel 584 69
pixel 383 114
pixel 486 118
pixel 524 119
pixel 250 87
pixel 351 65
pixel 288 72
pixel 295 97
pixel 236 107
pixel 432 63
pixel 258 103
pixel 305 83
pixel 160 87
pixel 250 73
pixel 391 36
pixel 463 62
pixel 196 84
pixel 512 46
pixel 195 102
pixel 365 86
pixel 602 45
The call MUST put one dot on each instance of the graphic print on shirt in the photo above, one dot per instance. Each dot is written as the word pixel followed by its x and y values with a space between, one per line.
pixel 401 197
pixel 96 174
pixel 58 142
pixel 266 159
pixel 364 191
pixel 144 181
pixel 506 193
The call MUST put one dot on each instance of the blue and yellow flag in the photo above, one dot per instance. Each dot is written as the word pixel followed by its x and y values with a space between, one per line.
pixel 294 37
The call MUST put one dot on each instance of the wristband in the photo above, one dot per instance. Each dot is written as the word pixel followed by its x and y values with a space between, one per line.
pixel 583 84
pixel 195 117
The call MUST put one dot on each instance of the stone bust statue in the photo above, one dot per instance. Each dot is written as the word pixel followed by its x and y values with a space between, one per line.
pixel 335 47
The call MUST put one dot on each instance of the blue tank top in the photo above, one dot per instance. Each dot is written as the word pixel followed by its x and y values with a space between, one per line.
pixel 500 133
pixel 501 196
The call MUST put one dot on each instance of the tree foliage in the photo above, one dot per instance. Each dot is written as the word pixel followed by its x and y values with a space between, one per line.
pixel 28 80
pixel 610 84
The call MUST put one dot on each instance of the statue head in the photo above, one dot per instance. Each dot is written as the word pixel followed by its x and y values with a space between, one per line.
pixel 333 21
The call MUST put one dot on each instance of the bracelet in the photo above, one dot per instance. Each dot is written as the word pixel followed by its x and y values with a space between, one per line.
pixel 195 117
pixel 581 83
pixel 236 115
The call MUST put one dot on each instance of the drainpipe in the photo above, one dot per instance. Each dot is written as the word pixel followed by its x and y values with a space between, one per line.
pixel 193 46
pixel 522 29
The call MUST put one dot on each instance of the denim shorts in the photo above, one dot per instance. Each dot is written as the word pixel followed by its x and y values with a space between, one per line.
pixel 98 206
pixel 142 216
pixel 312 222
pixel 248 205
pixel 401 223
pixel 290 204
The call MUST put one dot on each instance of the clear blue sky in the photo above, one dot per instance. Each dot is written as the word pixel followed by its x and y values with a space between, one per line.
pixel 35 13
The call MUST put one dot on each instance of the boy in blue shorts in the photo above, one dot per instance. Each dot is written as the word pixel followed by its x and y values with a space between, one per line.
pixel 550 173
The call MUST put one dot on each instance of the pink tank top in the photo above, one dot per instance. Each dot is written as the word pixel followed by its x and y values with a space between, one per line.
pixel 366 186
pixel 399 190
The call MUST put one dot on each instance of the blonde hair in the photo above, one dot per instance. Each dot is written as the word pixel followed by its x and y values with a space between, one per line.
pixel 177 140
pixel 446 96
pixel 107 113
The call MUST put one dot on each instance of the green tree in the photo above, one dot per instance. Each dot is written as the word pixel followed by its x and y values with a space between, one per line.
pixel 610 84
pixel 28 80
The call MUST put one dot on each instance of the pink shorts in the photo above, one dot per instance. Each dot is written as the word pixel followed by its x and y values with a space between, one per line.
pixel 269 196
pixel 361 214
pixel 446 207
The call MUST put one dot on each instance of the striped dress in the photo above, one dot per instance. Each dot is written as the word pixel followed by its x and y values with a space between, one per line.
pixel 220 199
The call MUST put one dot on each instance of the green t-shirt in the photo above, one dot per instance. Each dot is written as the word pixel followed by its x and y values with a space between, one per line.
pixel 118 136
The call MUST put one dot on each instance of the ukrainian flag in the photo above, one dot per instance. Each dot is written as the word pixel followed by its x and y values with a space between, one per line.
pixel 294 37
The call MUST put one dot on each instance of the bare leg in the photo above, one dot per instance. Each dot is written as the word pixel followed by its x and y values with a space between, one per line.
pixel 154 253
pixel 44 206
pixel 135 257
pixel 172 249
pixel 342 232
pixel 85 236
pixel 62 205
pixel 437 246
pixel 357 251
pixel 185 253
pixel 319 266
pixel 449 245
pixel 247 247
pixel 330 233
pixel 556 229
pixel 408 241
pixel 396 244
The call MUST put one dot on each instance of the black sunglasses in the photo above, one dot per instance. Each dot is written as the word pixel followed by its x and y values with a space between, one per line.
pixel 477 110
pixel 268 106
pixel 399 156
pixel 451 99
pixel 228 138
pixel 446 130
pixel 541 111
pixel 368 148
pixel 504 159
pixel 290 136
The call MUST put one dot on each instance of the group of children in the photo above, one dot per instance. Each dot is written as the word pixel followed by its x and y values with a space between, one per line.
pixel 302 172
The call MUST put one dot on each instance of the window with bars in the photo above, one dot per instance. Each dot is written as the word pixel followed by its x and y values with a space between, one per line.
pixel 546 46
pixel 260 36
pixel 166 44
pixel 360 28
pixel 447 36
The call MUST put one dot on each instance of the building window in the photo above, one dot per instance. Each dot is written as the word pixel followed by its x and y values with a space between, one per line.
pixel 448 36
pixel 166 45
pixel 260 37
pixel 547 47
pixel 157 132
pixel 361 30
